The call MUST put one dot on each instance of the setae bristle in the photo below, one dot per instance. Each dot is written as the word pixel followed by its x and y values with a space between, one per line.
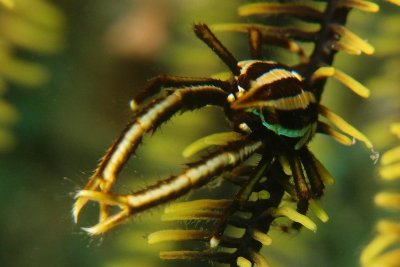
pixel 263 196
pixel 274 110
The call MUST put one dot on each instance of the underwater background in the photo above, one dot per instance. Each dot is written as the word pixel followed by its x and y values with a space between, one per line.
pixel 66 78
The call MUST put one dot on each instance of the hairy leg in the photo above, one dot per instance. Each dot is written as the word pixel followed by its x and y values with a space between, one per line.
pixel 148 119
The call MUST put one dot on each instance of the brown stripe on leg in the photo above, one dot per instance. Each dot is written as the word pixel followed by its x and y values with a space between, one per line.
pixel 298 176
pixel 308 161
pixel 164 81
pixel 240 198
pixel 198 174
pixel 255 40
pixel 267 38
pixel 303 192
pixel 148 119
pixel 204 33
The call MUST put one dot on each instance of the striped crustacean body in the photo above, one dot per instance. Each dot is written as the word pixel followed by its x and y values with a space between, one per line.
pixel 273 110
pixel 278 96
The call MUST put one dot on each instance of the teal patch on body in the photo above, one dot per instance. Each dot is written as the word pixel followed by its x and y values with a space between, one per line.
pixel 280 130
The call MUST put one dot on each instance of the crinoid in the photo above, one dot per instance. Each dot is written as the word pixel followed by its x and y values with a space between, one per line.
pixel 383 250
pixel 21 32
pixel 274 111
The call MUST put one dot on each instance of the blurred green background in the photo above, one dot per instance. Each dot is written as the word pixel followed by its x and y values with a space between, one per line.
pixel 57 130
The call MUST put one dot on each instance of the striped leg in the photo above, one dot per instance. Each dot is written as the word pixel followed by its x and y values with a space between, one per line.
pixel 240 198
pixel 148 119
pixel 313 174
pixel 165 81
pixel 270 35
pixel 303 192
pixel 301 165
pixel 302 189
pixel 255 41
pixel 198 174
pixel 204 33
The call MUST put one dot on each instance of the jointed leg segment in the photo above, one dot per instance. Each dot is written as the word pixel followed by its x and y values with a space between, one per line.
pixel 303 192
pixel 176 82
pixel 204 33
pixel 313 175
pixel 299 161
pixel 148 119
pixel 198 174
pixel 193 93
pixel 255 41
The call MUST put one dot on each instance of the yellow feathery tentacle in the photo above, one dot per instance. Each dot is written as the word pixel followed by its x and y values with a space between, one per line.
pixel 210 140
pixel 342 77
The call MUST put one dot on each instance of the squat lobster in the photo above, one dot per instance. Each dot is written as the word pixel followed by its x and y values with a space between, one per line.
pixel 273 111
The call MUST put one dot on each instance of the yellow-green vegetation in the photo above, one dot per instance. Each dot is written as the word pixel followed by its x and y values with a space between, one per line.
pixel 40 32
pixel 383 250
pixel 65 109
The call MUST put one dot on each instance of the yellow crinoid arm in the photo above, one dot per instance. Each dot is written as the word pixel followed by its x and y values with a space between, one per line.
pixel 360 5
pixel 371 253
pixel 177 235
pixel 302 10
pixel 344 126
pixel 352 39
pixel 343 78
pixel 339 137
pixel 384 250
pixel 294 216
pixel 210 140
pixel 395 2
pixel 318 211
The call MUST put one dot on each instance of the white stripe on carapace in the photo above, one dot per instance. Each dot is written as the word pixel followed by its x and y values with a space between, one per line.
pixel 246 64
pixel 143 124
pixel 192 177
pixel 272 76
pixel 300 101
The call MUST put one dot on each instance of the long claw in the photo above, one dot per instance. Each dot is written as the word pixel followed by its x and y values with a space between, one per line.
pixel 102 197
pixel 108 223
pixel 80 203
pixel 76 209
pixel 94 182
pixel 105 199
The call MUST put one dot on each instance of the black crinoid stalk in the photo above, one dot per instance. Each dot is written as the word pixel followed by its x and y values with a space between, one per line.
pixel 274 111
